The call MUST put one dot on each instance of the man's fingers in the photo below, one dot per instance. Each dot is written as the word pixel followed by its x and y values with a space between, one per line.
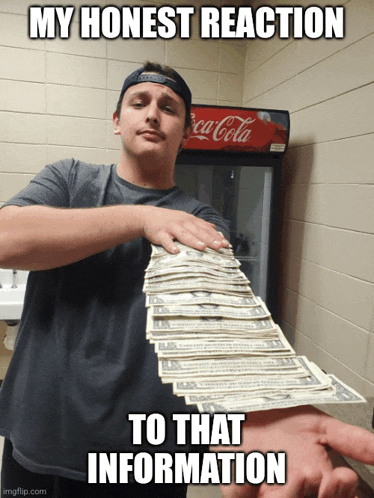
pixel 342 482
pixel 161 226
pixel 166 240
pixel 239 491
pixel 205 233
pixel 294 488
pixel 339 436
pixel 198 237
pixel 324 482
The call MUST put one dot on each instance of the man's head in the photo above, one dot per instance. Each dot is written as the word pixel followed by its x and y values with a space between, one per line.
pixel 153 116
pixel 161 74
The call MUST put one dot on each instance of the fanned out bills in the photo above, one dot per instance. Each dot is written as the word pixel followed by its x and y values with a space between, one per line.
pixel 217 343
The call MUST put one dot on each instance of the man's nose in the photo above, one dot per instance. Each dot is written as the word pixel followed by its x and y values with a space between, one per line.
pixel 153 114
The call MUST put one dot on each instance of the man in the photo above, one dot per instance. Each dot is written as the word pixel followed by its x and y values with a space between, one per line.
pixel 81 361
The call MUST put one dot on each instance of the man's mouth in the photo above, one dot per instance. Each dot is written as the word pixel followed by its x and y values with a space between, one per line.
pixel 151 133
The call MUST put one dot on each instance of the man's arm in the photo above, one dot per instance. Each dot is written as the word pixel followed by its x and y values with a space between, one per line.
pixel 42 237
pixel 305 434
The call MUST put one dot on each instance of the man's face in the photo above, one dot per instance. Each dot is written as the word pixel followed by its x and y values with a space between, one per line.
pixel 152 121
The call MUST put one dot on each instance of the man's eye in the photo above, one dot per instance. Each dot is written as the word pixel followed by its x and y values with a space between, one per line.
pixel 169 109
pixel 138 104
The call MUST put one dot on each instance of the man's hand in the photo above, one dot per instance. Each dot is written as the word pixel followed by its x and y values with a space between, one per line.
pixel 305 434
pixel 161 226
pixel 42 237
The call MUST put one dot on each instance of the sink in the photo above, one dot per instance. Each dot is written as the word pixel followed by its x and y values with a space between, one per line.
pixel 12 293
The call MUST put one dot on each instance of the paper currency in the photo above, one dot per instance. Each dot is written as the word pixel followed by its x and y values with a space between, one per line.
pixel 210 310
pixel 232 367
pixel 192 284
pixel 188 256
pixel 213 270
pixel 159 251
pixel 203 323
pixel 277 346
pixel 217 343
pixel 239 404
pixel 201 297
pixel 183 278
pixel 315 379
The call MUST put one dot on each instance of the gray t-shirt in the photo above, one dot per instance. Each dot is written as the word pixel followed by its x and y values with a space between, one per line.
pixel 81 361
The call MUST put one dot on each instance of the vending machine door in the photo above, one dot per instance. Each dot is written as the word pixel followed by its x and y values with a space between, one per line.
pixel 233 161
pixel 242 196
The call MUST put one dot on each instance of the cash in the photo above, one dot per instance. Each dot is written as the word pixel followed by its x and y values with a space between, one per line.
pixel 203 284
pixel 211 310
pixel 231 368
pixel 201 297
pixel 202 346
pixel 338 393
pixel 314 380
pixel 217 344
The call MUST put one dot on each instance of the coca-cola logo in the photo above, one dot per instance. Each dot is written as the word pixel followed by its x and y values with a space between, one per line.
pixel 238 129
pixel 230 128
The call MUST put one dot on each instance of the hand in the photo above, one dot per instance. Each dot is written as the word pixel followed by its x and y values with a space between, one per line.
pixel 161 226
pixel 305 434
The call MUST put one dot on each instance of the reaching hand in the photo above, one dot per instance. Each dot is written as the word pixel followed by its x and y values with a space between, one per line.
pixel 305 434
pixel 161 226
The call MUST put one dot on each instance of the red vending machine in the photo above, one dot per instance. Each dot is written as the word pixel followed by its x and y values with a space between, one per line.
pixel 233 162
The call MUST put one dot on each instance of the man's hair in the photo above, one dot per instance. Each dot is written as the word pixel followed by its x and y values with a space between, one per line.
pixel 168 72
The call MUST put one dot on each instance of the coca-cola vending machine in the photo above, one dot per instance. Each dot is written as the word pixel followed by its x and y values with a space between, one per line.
pixel 233 162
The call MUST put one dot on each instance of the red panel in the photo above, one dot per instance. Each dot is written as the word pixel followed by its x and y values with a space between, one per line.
pixel 223 128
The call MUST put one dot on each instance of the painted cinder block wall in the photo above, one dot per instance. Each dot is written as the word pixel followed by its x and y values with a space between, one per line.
pixel 327 288
pixel 57 96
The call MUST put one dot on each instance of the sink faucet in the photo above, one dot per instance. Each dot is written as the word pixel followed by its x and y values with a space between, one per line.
pixel 14 285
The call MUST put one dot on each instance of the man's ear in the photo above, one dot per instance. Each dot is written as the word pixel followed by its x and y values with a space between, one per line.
pixel 186 135
pixel 115 118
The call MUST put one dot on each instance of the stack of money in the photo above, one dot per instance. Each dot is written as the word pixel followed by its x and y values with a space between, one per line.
pixel 217 343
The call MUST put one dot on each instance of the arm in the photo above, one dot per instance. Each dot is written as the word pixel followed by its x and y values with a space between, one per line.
pixel 305 434
pixel 40 237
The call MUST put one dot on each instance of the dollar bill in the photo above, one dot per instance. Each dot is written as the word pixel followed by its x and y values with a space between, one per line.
pixel 159 251
pixel 228 368
pixel 218 271
pixel 210 310
pixel 226 376
pixel 157 336
pixel 262 391
pixel 196 399
pixel 207 323
pixel 277 346
pixel 201 297
pixel 340 393
pixel 193 284
pixel 315 379
pixel 192 257
pixel 233 366
pixel 176 278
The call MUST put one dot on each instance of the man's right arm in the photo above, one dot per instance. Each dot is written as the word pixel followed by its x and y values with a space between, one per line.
pixel 39 237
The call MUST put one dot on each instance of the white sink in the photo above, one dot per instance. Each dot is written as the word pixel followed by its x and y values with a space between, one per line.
pixel 12 293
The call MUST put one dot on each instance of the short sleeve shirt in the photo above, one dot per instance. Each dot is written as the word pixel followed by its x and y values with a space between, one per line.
pixel 81 362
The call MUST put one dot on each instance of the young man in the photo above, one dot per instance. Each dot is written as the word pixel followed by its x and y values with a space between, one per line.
pixel 81 362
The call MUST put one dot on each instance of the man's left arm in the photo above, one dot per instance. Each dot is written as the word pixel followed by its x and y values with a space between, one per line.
pixel 305 434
